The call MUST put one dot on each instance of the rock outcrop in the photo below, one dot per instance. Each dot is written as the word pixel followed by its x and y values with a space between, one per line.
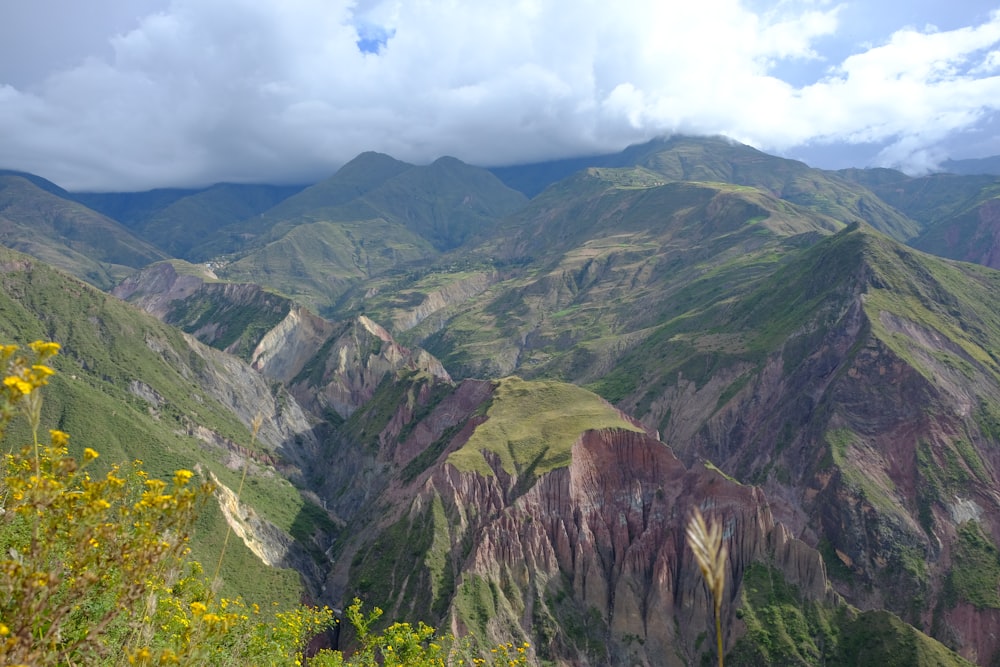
pixel 587 562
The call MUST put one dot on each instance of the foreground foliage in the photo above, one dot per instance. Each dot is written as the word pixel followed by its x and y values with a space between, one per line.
pixel 95 567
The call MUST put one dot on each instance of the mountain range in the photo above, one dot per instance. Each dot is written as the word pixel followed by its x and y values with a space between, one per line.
pixel 493 397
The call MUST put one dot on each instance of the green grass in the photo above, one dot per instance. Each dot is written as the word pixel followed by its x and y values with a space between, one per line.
pixel 532 426
pixel 975 569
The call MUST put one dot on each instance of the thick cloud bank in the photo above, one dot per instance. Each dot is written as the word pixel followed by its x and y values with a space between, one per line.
pixel 287 90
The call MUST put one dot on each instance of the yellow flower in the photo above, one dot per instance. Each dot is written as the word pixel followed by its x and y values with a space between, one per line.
pixel 59 438
pixel 19 384
pixel 90 454
pixel 42 371
pixel 44 348
pixel 182 477
pixel 4 630
pixel 198 608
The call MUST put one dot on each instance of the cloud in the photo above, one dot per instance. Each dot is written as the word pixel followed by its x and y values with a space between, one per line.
pixel 288 90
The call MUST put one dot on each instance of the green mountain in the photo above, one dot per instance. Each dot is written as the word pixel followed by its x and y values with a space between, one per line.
pixel 443 203
pixel 133 388
pixel 581 273
pixel 192 226
pixel 372 218
pixel 959 214
pixel 688 324
pixel 704 159
pixel 39 220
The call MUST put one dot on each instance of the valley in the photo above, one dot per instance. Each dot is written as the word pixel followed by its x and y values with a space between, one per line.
pixel 491 399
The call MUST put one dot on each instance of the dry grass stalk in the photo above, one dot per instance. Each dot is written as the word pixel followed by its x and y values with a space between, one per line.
pixel 710 552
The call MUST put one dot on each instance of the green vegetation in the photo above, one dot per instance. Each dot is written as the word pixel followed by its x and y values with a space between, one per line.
pixel 226 322
pixel 881 638
pixel 315 263
pixel 45 223
pixel 531 427
pixel 975 569
pixel 783 628
pixel 107 348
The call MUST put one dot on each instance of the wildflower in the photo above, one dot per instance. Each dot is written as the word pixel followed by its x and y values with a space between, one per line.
pixel 59 438
pixel 182 477
pixel 43 348
pixel 18 384
pixel 88 453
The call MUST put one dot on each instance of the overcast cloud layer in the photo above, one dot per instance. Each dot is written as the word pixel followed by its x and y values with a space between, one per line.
pixel 200 91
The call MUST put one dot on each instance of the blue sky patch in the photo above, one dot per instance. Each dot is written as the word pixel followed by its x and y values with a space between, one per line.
pixel 371 38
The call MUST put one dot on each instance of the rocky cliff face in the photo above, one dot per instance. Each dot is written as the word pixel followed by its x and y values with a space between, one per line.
pixel 268 542
pixel 345 368
pixel 872 430
pixel 228 316
pixel 155 288
pixel 603 540
pixel 588 562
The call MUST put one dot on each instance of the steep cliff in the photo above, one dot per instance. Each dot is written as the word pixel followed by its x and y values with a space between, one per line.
pixel 334 369
pixel 226 315
pixel 563 525
pixel 860 387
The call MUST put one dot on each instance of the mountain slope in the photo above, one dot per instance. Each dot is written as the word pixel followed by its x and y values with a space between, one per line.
pixel 133 388
pixel 960 215
pixel 860 385
pixel 582 272
pixel 708 159
pixel 533 511
pixel 43 223
pixel 192 227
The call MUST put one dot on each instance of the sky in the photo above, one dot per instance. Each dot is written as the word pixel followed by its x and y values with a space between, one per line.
pixel 124 95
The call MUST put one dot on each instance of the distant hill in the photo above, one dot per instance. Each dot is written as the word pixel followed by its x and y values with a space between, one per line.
pixel 973 166
pixel 191 227
pixel 38 219
pixel 960 215
pixel 682 158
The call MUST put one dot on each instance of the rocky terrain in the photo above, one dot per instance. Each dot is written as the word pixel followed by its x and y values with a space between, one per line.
pixel 697 325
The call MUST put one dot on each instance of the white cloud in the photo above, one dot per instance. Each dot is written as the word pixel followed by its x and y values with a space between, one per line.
pixel 252 90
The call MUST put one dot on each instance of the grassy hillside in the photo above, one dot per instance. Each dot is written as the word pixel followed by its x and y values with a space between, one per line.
pixel 202 225
pixel 597 260
pixel 130 387
pixel 43 223
pixel 532 426
pixel 316 263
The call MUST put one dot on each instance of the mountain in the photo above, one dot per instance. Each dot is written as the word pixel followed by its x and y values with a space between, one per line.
pixel 192 226
pixel 510 409
pixel 973 166
pixel 578 275
pixel 959 214
pixel 444 202
pixel 39 220
pixel 371 219
pixel 720 160
pixel 859 386
pixel 535 512
pixel 133 388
